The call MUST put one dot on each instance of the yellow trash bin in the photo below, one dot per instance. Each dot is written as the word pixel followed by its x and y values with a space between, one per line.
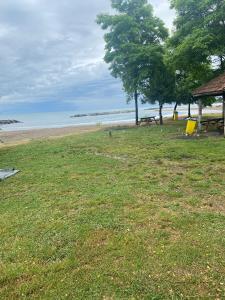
pixel 175 116
pixel 191 127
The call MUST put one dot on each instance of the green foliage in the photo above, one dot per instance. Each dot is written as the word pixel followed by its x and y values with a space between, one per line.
pixel 197 47
pixel 159 86
pixel 200 30
pixel 137 53
pixel 124 6
pixel 133 44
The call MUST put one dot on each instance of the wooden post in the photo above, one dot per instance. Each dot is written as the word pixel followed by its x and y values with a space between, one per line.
pixel 199 115
pixel 224 113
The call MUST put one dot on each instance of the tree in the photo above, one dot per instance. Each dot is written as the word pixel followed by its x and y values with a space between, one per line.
pixel 159 85
pixel 133 41
pixel 183 90
pixel 197 46
pixel 200 31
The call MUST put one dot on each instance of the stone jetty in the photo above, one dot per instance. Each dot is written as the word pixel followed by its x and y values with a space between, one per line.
pixel 103 113
pixel 6 122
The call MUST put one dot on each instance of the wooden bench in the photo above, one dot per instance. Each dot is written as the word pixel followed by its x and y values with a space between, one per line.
pixel 148 120
pixel 218 122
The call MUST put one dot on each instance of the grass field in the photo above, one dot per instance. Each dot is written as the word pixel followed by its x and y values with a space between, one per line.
pixel 140 215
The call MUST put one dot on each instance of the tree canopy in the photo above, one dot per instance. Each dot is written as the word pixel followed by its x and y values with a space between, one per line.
pixel 197 45
pixel 200 30
pixel 155 67
pixel 133 43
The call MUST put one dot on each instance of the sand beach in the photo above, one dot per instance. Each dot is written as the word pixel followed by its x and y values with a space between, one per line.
pixel 19 137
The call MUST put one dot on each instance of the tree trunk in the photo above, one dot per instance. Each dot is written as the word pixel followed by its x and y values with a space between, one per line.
pixel 175 107
pixel 221 63
pixel 224 113
pixel 174 111
pixel 199 115
pixel 189 110
pixel 160 114
pixel 136 108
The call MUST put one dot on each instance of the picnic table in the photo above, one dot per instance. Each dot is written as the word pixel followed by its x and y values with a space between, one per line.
pixel 218 122
pixel 148 120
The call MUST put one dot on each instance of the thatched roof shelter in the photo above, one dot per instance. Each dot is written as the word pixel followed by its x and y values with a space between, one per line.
pixel 215 87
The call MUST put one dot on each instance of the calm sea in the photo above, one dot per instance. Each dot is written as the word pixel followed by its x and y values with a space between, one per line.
pixel 63 119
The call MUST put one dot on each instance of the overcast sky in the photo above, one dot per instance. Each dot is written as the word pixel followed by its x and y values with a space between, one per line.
pixel 51 55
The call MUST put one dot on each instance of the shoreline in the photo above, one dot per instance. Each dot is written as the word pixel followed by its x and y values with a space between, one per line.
pixel 16 137
pixel 10 138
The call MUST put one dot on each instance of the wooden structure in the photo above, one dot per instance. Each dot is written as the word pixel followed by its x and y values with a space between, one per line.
pixel 148 120
pixel 216 122
pixel 215 87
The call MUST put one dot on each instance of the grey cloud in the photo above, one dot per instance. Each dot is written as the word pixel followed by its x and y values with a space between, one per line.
pixel 49 47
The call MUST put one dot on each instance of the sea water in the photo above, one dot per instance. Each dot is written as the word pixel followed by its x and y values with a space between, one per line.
pixel 63 119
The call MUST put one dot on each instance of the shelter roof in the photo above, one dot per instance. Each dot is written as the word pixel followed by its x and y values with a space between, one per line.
pixel 215 87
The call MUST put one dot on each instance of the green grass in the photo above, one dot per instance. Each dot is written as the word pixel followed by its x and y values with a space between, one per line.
pixel 140 215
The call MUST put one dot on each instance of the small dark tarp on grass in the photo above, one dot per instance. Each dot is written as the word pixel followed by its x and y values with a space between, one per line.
pixel 5 173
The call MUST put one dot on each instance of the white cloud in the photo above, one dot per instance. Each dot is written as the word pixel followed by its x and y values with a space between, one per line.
pixel 163 11
pixel 50 48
